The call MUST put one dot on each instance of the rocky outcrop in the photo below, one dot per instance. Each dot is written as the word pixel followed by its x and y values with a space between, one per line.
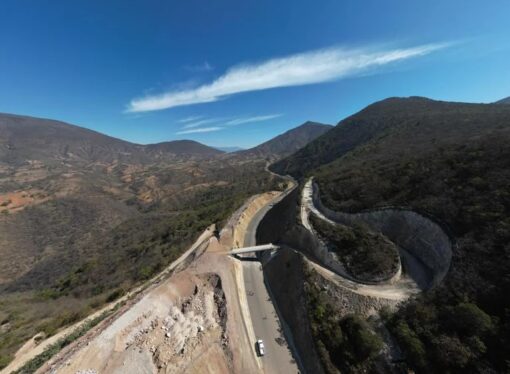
pixel 346 301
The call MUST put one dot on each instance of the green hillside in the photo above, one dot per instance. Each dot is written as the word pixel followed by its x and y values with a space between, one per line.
pixel 450 161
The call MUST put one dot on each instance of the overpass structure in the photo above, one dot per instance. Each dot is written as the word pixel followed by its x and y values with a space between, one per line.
pixel 255 248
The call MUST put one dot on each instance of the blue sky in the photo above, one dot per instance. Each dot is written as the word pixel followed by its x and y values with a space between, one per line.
pixel 236 73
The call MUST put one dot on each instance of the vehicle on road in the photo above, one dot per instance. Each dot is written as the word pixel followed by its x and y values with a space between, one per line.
pixel 260 347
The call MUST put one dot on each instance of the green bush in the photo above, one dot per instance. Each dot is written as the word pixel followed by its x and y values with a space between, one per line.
pixel 413 346
pixel 366 255
pixel 119 292
pixel 48 293
pixel 365 343
pixel 4 361
pixel 346 344
pixel 469 320
pixel 450 353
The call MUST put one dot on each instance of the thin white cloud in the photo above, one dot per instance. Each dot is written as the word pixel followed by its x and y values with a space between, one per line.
pixel 202 122
pixel 300 69
pixel 205 66
pixel 190 119
pixel 239 121
pixel 194 127
pixel 202 129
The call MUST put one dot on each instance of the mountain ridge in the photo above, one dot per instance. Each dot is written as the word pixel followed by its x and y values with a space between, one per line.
pixel 25 137
pixel 375 120
pixel 449 161
pixel 183 147
pixel 288 142
pixel 506 100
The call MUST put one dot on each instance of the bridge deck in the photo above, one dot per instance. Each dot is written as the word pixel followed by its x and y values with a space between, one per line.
pixel 256 248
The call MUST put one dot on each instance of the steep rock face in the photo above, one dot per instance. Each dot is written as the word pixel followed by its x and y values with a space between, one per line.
pixel 280 226
pixel 418 235
pixel 287 268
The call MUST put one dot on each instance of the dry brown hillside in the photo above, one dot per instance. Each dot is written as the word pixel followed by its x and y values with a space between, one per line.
pixel 84 216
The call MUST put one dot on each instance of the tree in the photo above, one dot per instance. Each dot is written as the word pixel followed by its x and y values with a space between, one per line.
pixel 411 344
pixel 364 342
pixel 451 353
pixel 470 320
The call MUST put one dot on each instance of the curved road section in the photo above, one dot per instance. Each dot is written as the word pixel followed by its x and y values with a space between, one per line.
pixel 400 290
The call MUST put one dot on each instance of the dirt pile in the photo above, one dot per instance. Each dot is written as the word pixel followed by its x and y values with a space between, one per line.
pixel 180 326
pixel 175 338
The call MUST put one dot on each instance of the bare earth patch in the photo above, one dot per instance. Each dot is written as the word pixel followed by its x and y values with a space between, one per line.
pixel 169 330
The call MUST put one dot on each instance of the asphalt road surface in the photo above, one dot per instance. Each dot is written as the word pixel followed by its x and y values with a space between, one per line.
pixel 278 357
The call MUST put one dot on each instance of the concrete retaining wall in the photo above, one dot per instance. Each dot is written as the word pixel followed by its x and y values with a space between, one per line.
pixel 416 234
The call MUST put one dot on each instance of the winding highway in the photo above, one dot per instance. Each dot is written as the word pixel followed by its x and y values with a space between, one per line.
pixel 401 289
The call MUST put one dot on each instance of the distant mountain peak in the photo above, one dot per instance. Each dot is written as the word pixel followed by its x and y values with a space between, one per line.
pixel 230 149
pixel 506 100
pixel 403 118
pixel 25 138
pixel 183 147
pixel 288 142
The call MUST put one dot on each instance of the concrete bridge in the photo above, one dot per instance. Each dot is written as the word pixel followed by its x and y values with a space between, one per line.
pixel 256 248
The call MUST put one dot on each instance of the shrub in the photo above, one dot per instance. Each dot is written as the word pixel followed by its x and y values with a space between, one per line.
pixel 366 255
pixel 469 319
pixel 4 361
pixel 365 343
pixel 412 344
pixel 449 352
pixel 119 292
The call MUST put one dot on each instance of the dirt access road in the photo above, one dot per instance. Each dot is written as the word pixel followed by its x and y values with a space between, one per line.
pixel 401 290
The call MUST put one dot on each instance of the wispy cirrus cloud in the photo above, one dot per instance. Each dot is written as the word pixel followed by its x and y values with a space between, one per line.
pixel 202 129
pixel 202 122
pixel 240 121
pixel 190 119
pixel 300 69
pixel 205 66
pixel 221 123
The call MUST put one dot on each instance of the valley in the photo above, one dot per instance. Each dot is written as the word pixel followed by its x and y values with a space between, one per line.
pixel 376 248
pixel 254 187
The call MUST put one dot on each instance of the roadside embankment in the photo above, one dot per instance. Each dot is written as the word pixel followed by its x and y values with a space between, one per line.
pixel 248 213
pixel 232 235
pixel 33 348
pixel 284 274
